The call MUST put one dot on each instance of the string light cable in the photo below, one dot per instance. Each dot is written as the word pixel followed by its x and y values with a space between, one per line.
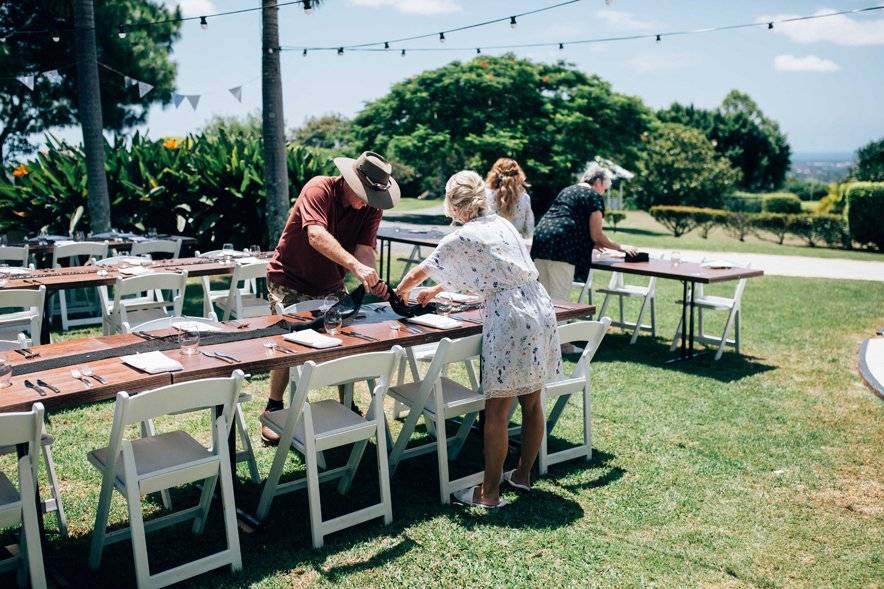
pixel 658 37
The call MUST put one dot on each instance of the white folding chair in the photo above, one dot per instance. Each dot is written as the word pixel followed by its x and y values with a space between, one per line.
pixel 647 294
pixel 247 454
pixel 210 295
pixel 704 302
pixel 302 307
pixel 14 256
pixel 18 506
pixel 578 382
pixel 157 246
pixel 145 465
pixel 121 259
pixel 54 504
pixel 77 253
pixel 310 428
pixel 438 398
pixel 585 288
pixel 130 304
pixel 239 304
pixel 29 318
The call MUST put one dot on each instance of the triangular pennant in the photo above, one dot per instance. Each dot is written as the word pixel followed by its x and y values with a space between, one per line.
pixel 193 99
pixel 177 99
pixel 144 88
pixel 53 76
pixel 27 81
pixel 237 93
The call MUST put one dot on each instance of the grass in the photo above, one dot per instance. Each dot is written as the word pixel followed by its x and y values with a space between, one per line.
pixel 409 204
pixel 759 470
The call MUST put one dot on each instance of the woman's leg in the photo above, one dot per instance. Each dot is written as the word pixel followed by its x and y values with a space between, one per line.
pixel 496 443
pixel 533 424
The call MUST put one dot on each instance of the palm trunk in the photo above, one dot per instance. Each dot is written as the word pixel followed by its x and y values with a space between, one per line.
pixel 90 115
pixel 276 184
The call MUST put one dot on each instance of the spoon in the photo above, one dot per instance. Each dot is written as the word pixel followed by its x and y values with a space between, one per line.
pixel 79 376
pixel 86 371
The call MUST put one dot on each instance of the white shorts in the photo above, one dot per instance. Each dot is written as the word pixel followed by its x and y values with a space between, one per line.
pixel 556 277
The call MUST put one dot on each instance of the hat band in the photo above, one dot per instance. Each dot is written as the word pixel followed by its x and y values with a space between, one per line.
pixel 374 184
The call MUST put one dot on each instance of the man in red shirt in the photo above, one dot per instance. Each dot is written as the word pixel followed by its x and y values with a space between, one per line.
pixel 331 230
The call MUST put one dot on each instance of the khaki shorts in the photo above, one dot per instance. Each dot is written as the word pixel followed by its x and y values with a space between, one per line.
pixel 282 295
pixel 556 277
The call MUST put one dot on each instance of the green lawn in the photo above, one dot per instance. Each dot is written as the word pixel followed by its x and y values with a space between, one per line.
pixel 409 204
pixel 641 230
pixel 761 470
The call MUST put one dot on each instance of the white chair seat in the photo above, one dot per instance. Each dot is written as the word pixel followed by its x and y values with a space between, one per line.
pixel 156 453
pixel 8 492
pixel 711 302
pixel 627 290
pixel 330 418
pixel 456 397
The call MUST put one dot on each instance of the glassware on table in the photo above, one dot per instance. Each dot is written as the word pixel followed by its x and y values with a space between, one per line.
pixel 254 249
pixel 152 233
pixel 332 321
pixel 3 239
pixel 188 341
pixel 675 258
pixel 5 372
pixel 79 236
pixel 444 305
pixel 271 345
pixel 328 302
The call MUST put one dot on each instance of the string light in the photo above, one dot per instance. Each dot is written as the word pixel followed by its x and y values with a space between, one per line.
pixel 769 25
pixel 204 24
pixel 659 39
pixel 121 33
pixel 513 22
pixel 308 7
pixel 56 37
pixel 478 50
pixel 441 37
pixel 340 51
pixel 305 53
pixel 561 46
pixel 403 53
pixel 386 45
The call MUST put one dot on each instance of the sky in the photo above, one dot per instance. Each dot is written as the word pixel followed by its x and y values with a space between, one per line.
pixel 822 80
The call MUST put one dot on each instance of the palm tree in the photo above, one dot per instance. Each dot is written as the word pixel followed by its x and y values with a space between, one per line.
pixel 98 202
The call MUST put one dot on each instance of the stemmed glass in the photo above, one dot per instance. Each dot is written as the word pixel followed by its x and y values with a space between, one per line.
pixel 675 258
pixel 332 321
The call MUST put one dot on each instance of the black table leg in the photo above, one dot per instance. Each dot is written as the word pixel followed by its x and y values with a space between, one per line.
pixel 45 328
pixel 381 266
pixel 687 325
pixel 684 319
pixel 691 333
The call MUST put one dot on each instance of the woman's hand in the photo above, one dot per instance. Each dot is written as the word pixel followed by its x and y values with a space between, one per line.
pixel 628 250
pixel 428 294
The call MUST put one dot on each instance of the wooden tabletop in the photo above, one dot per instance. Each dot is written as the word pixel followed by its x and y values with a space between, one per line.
pixel 85 276
pixel 683 271
pixel 252 356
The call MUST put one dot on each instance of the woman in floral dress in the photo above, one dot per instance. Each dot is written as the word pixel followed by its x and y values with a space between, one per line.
pixel 520 344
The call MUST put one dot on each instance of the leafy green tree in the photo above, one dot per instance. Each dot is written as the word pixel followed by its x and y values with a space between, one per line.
pixel 551 118
pixel 144 54
pixel 869 164
pixel 679 166
pixel 752 142
pixel 329 131
pixel 248 127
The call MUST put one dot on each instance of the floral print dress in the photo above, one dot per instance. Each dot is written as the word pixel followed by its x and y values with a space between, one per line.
pixel 523 216
pixel 520 344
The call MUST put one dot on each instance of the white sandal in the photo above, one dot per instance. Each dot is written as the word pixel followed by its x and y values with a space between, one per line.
pixel 465 497
pixel 508 477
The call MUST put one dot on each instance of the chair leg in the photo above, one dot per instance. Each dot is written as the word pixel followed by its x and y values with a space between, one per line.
pixel 247 445
pixel 63 310
pixel 352 464
pixel 604 305
pixel 228 508
pixel 55 491
pixel 30 528
pixel 638 322
pixel 314 500
pixel 727 327
pixel 460 438
pixel 148 429
pixel 99 531
pixel 383 467
pixel 136 526
pixel 205 503
pixel 442 457
pixel 272 481
pixel 404 436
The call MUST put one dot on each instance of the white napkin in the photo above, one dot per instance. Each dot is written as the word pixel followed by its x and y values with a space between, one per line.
pixel 722 264
pixel 135 270
pixel 250 260
pixel 457 297
pixel 11 271
pixel 437 321
pixel 313 339
pixel 196 326
pixel 152 362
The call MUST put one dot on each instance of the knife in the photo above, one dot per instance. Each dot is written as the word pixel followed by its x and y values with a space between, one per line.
pixel 31 385
pixel 216 356
pixel 52 388
pixel 358 335
pixel 24 353
pixel 228 356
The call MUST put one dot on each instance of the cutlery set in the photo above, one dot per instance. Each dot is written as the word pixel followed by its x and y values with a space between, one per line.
pixel 220 356
pixel 28 353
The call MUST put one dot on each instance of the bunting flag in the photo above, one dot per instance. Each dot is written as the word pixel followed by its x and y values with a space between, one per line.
pixel 177 99
pixel 237 93
pixel 144 88
pixel 53 76
pixel 27 81
pixel 193 99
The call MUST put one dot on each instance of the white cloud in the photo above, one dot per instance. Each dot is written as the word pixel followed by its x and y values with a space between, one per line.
pixel 651 62
pixel 624 21
pixel 805 63
pixel 426 7
pixel 194 7
pixel 840 29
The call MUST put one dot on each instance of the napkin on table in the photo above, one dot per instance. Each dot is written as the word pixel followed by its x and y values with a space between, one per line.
pixel 437 321
pixel 152 362
pixel 313 339
pixel 717 264
pixel 457 297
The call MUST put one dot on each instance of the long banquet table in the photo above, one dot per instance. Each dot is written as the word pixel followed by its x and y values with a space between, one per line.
pixel 251 354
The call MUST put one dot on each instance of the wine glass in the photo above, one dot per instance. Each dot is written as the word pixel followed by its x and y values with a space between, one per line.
pixel 254 249
pixel 328 302
pixel 152 233
pixel 675 258
pixel 188 341
pixel 5 372
pixel 444 305
pixel 332 321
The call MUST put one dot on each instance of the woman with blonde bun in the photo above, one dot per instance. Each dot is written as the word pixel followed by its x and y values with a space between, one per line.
pixel 520 344
pixel 506 196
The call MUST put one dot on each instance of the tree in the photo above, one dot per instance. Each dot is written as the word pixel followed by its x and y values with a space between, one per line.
pixel 273 124
pixel 551 118
pixel 869 162
pixel 29 50
pixel 679 166
pixel 248 127
pixel 753 143
pixel 329 131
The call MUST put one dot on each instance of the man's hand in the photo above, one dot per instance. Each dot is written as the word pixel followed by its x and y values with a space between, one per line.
pixel 368 276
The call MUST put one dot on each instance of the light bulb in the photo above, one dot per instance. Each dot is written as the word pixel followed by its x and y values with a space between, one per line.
pixel 441 37
pixel 56 38
pixel 659 39
pixel 308 7
pixel 121 33
pixel 561 46
pixel 305 53
pixel 204 24
pixel 513 22
pixel 478 50
pixel 386 45
pixel 340 51
pixel 403 53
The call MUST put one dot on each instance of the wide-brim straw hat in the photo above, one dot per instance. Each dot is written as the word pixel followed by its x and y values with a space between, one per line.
pixel 370 177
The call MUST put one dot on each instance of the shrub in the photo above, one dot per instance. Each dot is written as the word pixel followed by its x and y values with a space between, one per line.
pixel 831 229
pixel 869 162
pixel 781 202
pixel 706 219
pixel 743 202
pixel 739 224
pixel 615 217
pixel 865 213
pixel 777 224
pixel 807 190
pixel 679 220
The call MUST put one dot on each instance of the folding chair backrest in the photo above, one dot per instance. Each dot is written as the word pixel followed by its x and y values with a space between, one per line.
pixel 113 260
pixel 26 299
pixel 176 281
pixel 16 255
pixel 157 246
pixel 451 351
pixel 303 306
pixel 182 397
pixel 74 249
pixel 591 332
pixel 16 344
pixel 166 322
pixel 372 365
pixel 22 428
pixel 242 272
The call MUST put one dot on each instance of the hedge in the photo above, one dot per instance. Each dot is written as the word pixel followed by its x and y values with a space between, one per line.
pixel 679 220
pixel 865 212
pixel 781 202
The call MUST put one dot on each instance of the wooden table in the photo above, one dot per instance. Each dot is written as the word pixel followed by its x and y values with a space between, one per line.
pixel 252 355
pixel 55 279
pixel 119 244
pixel 414 237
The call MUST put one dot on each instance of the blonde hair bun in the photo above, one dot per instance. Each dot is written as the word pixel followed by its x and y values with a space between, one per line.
pixel 465 195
